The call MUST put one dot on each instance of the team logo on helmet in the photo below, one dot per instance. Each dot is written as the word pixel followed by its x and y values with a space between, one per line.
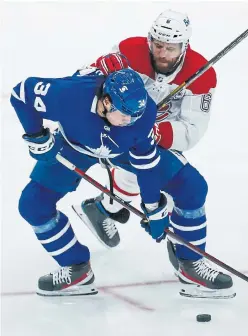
pixel 123 89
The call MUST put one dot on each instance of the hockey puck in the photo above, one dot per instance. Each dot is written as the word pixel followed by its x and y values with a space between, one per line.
pixel 203 318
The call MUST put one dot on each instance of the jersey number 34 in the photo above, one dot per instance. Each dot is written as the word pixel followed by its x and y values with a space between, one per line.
pixel 40 90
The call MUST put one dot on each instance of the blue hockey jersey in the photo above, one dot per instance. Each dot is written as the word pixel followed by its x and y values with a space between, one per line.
pixel 71 101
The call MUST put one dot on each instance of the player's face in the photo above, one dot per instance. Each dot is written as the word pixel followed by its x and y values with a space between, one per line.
pixel 165 55
pixel 117 118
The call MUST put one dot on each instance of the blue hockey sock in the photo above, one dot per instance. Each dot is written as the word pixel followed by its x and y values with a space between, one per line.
pixel 59 240
pixel 190 225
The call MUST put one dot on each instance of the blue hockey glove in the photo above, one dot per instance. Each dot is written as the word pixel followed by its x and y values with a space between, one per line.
pixel 42 145
pixel 158 219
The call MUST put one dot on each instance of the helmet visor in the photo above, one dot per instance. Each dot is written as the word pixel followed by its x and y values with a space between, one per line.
pixel 134 115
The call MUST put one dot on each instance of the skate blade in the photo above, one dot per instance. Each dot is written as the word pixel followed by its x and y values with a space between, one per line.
pixel 200 292
pixel 73 291
pixel 78 210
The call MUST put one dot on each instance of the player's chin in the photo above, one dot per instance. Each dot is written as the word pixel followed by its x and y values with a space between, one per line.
pixel 114 123
pixel 163 67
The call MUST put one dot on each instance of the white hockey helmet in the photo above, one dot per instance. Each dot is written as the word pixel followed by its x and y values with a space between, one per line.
pixel 171 27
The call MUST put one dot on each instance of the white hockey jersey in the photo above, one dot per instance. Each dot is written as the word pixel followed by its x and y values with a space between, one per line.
pixel 185 121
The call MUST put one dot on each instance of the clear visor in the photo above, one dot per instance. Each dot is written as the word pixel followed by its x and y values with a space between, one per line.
pixel 134 117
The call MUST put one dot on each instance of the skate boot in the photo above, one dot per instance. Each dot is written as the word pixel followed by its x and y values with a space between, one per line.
pixel 68 281
pixel 203 281
pixel 100 221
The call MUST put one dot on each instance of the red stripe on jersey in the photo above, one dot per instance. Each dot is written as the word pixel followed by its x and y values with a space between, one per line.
pixel 119 189
pixel 166 132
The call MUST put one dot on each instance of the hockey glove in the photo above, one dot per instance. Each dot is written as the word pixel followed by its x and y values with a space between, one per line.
pixel 42 145
pixel 112 62
pixel 158 219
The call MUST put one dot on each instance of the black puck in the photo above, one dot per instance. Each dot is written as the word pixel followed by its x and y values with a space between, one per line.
pixel 203 318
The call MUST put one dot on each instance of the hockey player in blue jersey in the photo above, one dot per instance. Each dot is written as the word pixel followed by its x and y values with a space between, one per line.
pixel 91 113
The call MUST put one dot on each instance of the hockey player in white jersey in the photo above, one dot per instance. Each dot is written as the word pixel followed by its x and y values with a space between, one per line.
pixel 164 61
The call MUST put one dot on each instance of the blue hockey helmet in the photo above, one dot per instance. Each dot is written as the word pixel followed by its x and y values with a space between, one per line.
pixel 127 92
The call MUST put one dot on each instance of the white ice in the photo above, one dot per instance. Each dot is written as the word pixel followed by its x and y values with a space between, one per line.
pixel 138 292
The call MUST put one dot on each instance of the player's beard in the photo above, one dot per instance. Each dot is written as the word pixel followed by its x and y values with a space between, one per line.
pixel 165 67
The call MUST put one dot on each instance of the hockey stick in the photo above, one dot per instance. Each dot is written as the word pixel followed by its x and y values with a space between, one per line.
pixel 132 209
pixel 203 69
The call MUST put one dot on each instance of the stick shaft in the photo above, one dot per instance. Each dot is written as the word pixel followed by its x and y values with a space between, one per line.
pixel 132 209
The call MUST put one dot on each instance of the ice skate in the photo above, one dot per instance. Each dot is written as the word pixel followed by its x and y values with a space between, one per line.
pixel 100 221
pixel 68 281
pixel 202 281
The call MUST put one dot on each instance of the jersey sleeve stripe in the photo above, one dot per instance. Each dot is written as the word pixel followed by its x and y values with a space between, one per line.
pixel 146 157
pixel 148 165
pixel 21 95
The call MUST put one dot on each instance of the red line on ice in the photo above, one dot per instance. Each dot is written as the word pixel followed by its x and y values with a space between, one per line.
pixel 128 300
pixel 107 287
